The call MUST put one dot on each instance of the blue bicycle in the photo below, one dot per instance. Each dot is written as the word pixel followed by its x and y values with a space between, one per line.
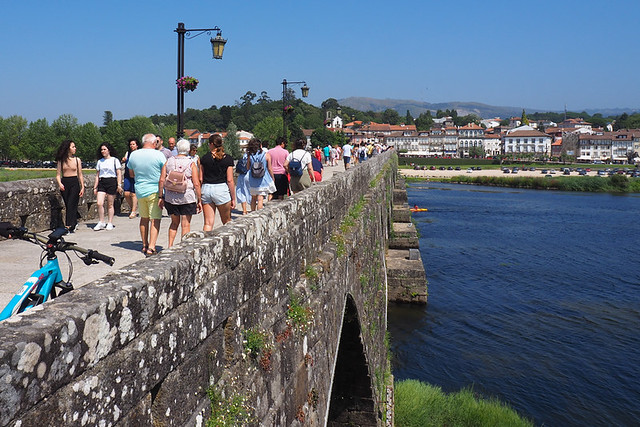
pixel 47 282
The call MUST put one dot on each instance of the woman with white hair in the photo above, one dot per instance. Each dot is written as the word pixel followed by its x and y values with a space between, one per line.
pixel 181 184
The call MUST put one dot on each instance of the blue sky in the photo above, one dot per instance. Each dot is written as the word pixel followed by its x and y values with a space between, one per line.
pixel 85 57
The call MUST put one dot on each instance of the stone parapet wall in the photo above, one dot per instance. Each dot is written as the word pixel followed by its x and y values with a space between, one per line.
pixel 142 345
pixel 38 205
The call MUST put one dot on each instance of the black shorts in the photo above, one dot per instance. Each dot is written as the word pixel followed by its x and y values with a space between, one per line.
pixel 282 184
pixel 188 209
pixel 108 185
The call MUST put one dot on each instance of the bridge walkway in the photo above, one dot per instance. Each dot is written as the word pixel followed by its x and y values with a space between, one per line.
pixel 19 259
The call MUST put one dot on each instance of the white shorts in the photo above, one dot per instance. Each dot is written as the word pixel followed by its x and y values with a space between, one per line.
pixel 218 194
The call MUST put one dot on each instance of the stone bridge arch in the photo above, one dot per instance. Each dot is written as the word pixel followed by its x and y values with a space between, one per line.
pixel 352 397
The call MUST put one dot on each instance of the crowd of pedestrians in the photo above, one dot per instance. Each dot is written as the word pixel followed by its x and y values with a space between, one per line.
pixel 152 177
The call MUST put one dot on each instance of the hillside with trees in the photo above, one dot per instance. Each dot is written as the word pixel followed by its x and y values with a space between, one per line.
pixel 261 115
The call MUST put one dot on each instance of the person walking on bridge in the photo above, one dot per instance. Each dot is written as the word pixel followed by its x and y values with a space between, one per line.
pixel 278 157
pixel 70 181
pixel 146 165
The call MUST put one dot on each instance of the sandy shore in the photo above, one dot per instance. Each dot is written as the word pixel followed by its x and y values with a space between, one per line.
pixel 485 172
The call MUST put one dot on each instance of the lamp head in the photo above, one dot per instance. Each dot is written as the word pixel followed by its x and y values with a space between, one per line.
pixel 217 44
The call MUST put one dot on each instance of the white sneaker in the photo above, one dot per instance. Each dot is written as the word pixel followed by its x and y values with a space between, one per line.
pixel 110 226
pixel 100 226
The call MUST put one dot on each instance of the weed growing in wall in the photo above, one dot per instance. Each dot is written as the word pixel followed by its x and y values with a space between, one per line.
pixel 258 348
pixel 312 275
pixel 228 411
pixel 254 341
pixel 300 315
pixel 313 398
pixel 341 248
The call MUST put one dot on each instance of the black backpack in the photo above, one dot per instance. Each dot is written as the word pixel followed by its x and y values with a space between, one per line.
pixel 257 168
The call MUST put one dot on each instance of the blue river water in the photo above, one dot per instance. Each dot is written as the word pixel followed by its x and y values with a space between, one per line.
pixel 534 298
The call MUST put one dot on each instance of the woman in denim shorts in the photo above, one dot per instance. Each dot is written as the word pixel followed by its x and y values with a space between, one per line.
pixel 218 187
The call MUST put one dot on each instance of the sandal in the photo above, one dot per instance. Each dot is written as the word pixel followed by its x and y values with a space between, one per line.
pixel 144 249
pixel 150 252
pixel 133 215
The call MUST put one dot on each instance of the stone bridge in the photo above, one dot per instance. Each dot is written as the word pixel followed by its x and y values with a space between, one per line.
pixel 277 318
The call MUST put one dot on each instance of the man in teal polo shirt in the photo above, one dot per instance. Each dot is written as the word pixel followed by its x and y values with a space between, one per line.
pixel 145 165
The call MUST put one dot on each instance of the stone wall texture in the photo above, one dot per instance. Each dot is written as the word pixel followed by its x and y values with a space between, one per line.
pixel 144 345
pixel 38 205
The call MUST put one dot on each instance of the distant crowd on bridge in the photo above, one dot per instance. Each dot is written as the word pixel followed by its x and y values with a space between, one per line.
pixel 152 177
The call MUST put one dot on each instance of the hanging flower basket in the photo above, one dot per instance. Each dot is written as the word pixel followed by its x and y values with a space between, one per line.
pixel 288 109
pixel 187 83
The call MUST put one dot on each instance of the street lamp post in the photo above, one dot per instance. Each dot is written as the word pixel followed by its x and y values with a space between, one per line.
pixel 305 93
pixel 217 44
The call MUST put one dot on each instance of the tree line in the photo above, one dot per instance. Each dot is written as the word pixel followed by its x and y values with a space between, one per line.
pixel 261 115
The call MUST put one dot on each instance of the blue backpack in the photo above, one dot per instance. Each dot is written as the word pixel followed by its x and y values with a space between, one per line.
pixel 241 166
pixel 295 166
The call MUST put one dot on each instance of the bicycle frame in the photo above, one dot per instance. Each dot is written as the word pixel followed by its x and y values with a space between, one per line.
pixel 36 290
pixel 42 284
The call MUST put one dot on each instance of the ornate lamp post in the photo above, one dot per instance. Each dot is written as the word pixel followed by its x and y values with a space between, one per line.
pixel 305 93
pixel 217 45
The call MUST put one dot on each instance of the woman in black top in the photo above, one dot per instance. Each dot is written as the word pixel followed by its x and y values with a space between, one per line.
pixel 218 187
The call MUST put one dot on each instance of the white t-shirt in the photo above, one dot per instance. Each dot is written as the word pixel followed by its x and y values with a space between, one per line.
pixel 303 156
pixel 346 150
pixel 107 168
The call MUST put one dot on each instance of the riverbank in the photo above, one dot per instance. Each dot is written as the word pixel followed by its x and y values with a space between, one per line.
pixel 591 182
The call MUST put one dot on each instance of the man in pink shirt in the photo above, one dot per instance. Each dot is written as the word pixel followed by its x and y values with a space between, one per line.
pixel 278 156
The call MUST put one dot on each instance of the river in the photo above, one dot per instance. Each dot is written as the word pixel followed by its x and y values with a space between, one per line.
pixel 534 298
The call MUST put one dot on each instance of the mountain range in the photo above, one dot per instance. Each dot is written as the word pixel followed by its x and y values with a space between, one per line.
pixel 485 111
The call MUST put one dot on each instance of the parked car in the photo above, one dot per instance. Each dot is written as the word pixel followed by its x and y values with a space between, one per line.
pixel 544 171
pixel 506 170
pixel 566 171
pixel 582 172
pixel 469 170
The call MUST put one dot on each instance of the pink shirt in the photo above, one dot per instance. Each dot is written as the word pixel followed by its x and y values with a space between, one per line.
pixel 278 157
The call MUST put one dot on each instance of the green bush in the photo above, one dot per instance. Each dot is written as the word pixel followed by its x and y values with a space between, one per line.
pixel 595 184
pixel 420 404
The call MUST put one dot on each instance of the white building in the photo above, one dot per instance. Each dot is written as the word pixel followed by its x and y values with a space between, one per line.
pixel 526 140
pixel 469 136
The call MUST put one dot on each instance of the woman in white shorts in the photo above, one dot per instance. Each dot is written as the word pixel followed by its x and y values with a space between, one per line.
pixel 218 187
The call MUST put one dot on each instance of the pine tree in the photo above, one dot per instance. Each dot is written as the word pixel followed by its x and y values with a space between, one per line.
pixel 524 120
pixel 231 144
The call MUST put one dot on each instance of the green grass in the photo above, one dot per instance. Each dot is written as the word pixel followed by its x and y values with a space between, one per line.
pixel 595 184
pixel 8 174
pixel 420 404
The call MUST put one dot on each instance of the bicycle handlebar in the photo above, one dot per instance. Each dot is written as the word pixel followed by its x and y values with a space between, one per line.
pixel 100 257
pixel 9 231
